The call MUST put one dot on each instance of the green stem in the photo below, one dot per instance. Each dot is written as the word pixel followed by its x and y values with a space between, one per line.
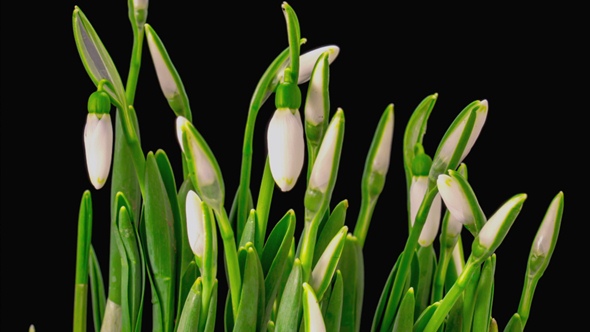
pixel 441 273
pixel 231 257
pixel 310 233
pixel 263 206
pixel 246 168
pixel 451 297
pixel 524 307
pixel 135 64
pixel 406 260
pixel 364 219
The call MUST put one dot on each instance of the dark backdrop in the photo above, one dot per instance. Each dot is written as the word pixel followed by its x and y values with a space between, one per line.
pixel 526 61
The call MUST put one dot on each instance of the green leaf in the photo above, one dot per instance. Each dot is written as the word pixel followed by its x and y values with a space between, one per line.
pixel 96 59
pixel 469 297
pixel 275 258
pixel 97 290
pixel 353 273
pixel 212 313
pixel 514 324
pixel 249 233
pixel 425 316
pixel 378 317
pixel 82 261
pixel 190 274
pixel 328 229
pixel 326 267
pixel 251 300
pixel 333 311
pixel 160 239
pixel 404 321
pixel 485 293
pixel 191 309
pixel 426 257
pixel 289 314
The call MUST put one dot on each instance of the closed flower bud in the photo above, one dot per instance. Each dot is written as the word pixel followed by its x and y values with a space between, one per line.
pixel 195 227
pixel 98 143
pixel 418 190
pixel 286 147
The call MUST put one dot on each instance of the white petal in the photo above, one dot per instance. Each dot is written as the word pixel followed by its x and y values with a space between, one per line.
pixel 382 157
pixel 167 83
pixel 286 147
pixel 490 230
pixel 180 121
pixel 544 237
pixel 480 118
pixel 307 61
pixel 195 227
pixel 316 319
pixel 432 224
pixel 454 226
pixel 98 143
pixel 455 199
pixel 418 189
pixel 322 168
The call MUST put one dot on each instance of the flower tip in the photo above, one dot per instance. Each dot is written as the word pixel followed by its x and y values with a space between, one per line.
pixel 180 121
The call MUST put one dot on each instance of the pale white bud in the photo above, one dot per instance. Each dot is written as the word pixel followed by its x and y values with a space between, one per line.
pixel 98 143
pixel 286 147
pixel 382 156
pixel 455 199
pixel 167 82
pixel 490 233
pixel 203 166
pixel 544 238
pixel 307 61
pixel 322 168
pixel 418 189
pixel 195 223
pixel 314 320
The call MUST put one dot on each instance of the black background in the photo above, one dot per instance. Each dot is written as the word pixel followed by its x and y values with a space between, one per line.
pixel 528 62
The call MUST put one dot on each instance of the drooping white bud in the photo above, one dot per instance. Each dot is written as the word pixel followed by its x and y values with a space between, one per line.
pixel 98 144
pixel 286 147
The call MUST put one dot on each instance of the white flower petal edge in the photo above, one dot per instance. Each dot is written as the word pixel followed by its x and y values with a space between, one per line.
pixel 98 143
pixel 167 82
pixel 286 147
pixel 195 227
pixel 455 199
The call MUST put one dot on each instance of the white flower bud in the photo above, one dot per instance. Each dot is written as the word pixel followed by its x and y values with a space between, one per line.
pixel 307 61
pixel 455 199
pixel 167 82
pixel 383 154
pixel 418 189
pixel 544 238
pixel 98 143
pixel 322 168
pixel 495 229
pixel 140 4
pixel 195 226
pixel 286 147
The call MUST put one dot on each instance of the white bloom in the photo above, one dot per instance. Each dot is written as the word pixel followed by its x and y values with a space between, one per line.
pixel 195 223
pixel 167 82
pixel 286 147
pixel 307 61
pixel 418 190
pixel 322 168
pixel 492 232
pixel 455 199
pixel 98 143
pixel 543 239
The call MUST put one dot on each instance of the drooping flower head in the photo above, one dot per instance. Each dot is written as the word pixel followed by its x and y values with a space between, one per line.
pixel 98 138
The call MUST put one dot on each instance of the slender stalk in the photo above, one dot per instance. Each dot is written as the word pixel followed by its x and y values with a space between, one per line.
pixel 263 206
pixel 82 260
pixel 364 219
pixel 231 257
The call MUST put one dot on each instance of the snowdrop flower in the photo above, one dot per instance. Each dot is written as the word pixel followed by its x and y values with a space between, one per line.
pixel 323 170
pixel 285 137
pixel 98 139
pixel 307 61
